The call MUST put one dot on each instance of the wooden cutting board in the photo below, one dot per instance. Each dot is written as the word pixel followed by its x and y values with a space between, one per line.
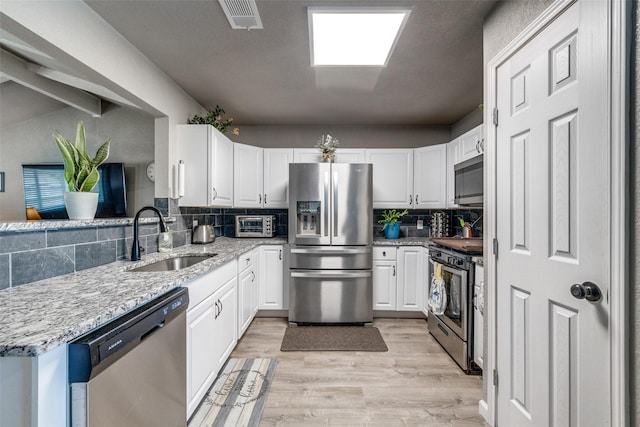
pixel 465 245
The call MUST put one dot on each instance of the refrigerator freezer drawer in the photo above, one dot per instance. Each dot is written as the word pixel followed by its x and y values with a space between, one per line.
pixel 330 296
pixel 331 257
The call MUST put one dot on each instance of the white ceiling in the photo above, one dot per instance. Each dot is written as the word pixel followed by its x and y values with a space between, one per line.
pixel 264 77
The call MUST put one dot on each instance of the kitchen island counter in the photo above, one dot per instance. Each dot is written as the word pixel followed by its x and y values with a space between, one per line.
pixel 39 316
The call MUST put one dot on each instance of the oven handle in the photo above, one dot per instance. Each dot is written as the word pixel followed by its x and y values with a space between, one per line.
pixel 444 331
pixel 331 275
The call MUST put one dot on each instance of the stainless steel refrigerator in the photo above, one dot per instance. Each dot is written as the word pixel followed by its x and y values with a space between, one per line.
pixel 330 238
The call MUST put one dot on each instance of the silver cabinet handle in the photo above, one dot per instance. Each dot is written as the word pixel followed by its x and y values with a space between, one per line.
pixel 253 276
pixel 265 198
pixel 214 194
pixel 259 199
pixel 417 200
pixel 394 270
pixel 410 199
pixel 216 310
pixel 280 255
pixel 384 253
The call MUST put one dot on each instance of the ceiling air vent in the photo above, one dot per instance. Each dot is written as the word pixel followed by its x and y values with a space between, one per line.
pixel 242 14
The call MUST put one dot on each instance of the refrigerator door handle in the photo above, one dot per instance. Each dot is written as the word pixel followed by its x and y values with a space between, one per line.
pixel 324 250
pixel 328 274
pixel 335 204
pixel 326 203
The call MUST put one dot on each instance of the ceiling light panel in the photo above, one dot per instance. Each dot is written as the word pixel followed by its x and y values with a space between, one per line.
pixel 354 36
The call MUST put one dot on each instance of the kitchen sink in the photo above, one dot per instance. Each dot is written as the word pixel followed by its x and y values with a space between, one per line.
pixel 174 263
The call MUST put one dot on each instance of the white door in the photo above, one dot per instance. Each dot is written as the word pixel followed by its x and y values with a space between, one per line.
pixel 470 143
pixel 409 286
pixel 552 225
pixel 384 285
pixel 276 177
pixel 221 164
pixel 271 288
pixel 392 177
pixel 430 177
pixel 453 154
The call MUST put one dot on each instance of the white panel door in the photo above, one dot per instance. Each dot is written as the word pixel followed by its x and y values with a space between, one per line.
pixel 246 284
pixel 276 177
pixel 453 154
pixel 271 286
pixel 248 176
pixel 410 288
pixel 343 155
pixel 226 327
pixel 470 143
pixel 552 226
pixel 430 177
pixel 221 170
pixel 384 285
pixel 392 177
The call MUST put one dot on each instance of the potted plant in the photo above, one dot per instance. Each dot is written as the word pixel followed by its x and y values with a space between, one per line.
pixel 214 118
pixel 327 146
pixel 81 173
pixel 391 223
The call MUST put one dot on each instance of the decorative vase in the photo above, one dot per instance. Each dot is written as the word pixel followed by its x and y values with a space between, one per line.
pixel 392 231
pixel 328 157
pixel 81 204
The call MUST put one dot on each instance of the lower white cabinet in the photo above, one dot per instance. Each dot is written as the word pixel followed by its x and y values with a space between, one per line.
pixel 271 287
pixel 384 278
pixel 410 286
pixel 247 289
pixel 211 329
pixel 478 316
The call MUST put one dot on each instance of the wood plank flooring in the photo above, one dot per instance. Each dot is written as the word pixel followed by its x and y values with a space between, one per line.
pixel 415 383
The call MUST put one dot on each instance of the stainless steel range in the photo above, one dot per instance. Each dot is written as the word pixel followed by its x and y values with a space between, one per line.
pixel 454 329
pixel 330 238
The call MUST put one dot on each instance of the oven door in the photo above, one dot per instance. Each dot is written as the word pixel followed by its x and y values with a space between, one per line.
pixel 456 287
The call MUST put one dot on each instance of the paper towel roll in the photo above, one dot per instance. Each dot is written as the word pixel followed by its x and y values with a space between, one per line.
pixel 181 179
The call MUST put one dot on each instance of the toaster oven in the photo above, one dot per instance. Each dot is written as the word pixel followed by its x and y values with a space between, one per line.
pixel 255 225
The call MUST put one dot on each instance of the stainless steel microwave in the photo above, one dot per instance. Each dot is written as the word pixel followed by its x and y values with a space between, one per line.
pixel 469 182
pixel 256 225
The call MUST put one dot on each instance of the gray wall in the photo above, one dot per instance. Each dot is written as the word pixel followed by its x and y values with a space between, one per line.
pixel 132 142
pixel 349 136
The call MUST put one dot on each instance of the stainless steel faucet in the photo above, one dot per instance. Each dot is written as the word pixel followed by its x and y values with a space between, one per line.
pixel 135 250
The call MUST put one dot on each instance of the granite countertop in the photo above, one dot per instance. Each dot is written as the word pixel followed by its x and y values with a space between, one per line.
pixel 402 241
pixel 39 316
pixel 57 224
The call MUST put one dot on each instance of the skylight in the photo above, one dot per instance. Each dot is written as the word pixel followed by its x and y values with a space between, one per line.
pixel 354 36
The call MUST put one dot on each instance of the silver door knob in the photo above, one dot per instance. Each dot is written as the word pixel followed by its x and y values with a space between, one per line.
pixel 587 290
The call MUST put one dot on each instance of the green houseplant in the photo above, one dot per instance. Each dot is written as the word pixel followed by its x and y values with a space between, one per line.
pixel 81 173
pixel 214 118
pixel 391 223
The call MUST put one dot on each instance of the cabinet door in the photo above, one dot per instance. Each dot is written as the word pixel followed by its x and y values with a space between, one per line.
pixel 478 317
pixel 452 159
pixel 271 289
pixel 202 360
pixel 276 177
pixel 426 280
pixel 221 159
pixel 384 285
pixel 225 332
pixel 246 284
pixel 306 155
pixel 350 155
pixel 392 177
pixel 194 143
pixel 410 287
pixel 430 177
pixel 248 176
pixel 470 143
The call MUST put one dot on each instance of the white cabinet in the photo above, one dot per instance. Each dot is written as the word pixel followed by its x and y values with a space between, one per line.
pixel 471 143
pixel 392 177
pixel 248 176
pixel 430 177
pixel 261 176
pixel 208 158
pixel 478 316
pixel 247 290
pixel 426 280
pixel 276 177
pixel 211 329
pixel 342 155
pixel 410 286
pixel 453 155
pixel 384 278
pixel 271 287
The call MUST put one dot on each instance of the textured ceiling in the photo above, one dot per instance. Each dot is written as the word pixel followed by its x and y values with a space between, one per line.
pixel 264 77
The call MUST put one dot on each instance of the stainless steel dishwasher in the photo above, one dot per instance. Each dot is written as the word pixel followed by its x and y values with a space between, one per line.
pixel 132 371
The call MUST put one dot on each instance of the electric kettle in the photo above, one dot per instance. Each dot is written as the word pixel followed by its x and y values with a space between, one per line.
pixel 203 234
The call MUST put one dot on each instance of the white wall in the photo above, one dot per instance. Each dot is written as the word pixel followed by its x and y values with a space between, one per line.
pixel 132 142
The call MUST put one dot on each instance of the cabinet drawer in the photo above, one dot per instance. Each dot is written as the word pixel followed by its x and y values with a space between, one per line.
pixel 246 261
pixel 385 252
pixel 203 286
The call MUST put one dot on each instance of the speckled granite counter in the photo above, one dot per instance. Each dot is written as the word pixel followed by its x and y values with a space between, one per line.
pixel 403 241
pixel 40 316
pixel 58 224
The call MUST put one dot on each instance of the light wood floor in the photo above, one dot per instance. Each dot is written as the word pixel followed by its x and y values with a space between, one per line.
pixel 415 383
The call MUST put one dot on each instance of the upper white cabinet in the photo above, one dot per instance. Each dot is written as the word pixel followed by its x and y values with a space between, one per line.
pixel 430 177
pixel 208 158
pixel 392 177
pixel 453 151
pixel 471 143
pixel 276 177
pixel 342 155
pixel 248 171
pixel 261 176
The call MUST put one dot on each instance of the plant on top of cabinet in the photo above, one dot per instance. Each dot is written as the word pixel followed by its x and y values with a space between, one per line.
pixel 327 145
pixel 81 173
pixel 214 118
